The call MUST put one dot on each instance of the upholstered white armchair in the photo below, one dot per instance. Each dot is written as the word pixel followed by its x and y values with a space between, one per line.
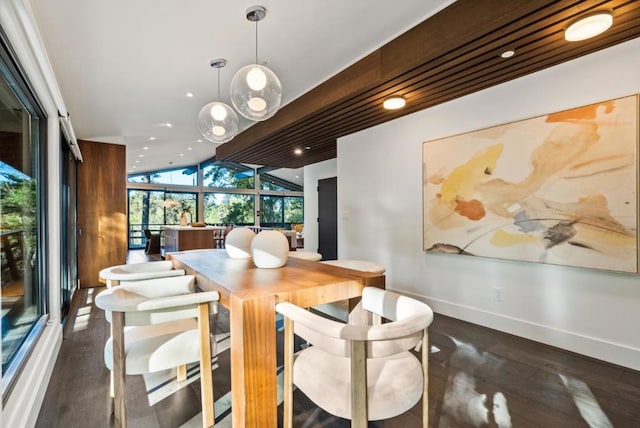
pixel 360 372
pixel 113 275
pixel 156 325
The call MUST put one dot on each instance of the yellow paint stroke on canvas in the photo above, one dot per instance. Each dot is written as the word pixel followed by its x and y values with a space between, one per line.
pixel 458 189
pixel 501 238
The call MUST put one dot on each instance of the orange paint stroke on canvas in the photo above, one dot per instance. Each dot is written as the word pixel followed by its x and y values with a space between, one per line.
pixel 473 209
pixel 586 113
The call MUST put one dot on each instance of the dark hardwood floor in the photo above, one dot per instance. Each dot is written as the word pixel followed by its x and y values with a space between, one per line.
pixel 478 378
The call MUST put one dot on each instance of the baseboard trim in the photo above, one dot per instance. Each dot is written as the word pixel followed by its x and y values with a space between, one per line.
pixel 594 347
pixel 26 398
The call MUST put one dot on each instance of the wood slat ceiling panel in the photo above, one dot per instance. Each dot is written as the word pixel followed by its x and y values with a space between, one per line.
pixel 430 64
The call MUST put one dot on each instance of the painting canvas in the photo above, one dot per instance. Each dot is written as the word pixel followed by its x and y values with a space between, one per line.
pixel 559 189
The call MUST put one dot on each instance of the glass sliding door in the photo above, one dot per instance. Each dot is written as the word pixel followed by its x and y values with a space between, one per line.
pixel 22 219
pixel 148 210
pixel 68 226
pixel 145 212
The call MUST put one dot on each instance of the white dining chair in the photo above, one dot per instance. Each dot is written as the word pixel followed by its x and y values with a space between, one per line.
pixel 158 327
pixel 113 275
pixel 306 255
pixel 359 372
pixel 340 309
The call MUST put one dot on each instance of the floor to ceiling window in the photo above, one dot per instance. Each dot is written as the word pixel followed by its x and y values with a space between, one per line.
pixel 153 209
pixel 229 208
pixel 281 211
pixel 22 196
pixel 277 210
pixel 226 192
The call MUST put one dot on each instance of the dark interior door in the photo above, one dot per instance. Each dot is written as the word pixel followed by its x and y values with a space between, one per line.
pixel 328 218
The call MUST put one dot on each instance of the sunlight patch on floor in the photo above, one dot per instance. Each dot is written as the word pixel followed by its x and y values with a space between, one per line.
pixel 586 403
pixel 462 401
pixel 162 384
pixel 82 319
pixel 89 296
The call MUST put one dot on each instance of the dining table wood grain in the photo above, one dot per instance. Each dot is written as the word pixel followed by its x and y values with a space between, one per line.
pixel 250 294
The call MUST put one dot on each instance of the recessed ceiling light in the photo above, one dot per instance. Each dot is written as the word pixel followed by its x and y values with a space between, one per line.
pixel 133 167
pixel 145 148
pixel 508 54
pixel 189 94
pixel 298 151
pixel 308 148
pixel 189 148
pixel 588 26
pixel 140 156
pixel 394 102
pixel 168 125
pixel 152 138
pixel 137 161
pixel 297 176
pixel 199 141
pixel 181 154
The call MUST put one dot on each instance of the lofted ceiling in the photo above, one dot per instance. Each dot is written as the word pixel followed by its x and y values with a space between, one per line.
pixel 124 67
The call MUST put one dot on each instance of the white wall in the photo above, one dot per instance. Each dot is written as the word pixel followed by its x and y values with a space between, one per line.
pixel 313 173
pixel 380 218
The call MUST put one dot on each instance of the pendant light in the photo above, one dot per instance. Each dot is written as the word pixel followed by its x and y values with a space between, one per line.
pixel 256 91
pixel 217 121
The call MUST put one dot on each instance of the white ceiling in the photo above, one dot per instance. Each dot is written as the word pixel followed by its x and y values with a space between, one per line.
pixel 124 66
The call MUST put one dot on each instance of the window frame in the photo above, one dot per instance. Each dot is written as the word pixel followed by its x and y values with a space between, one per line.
pixel 16 77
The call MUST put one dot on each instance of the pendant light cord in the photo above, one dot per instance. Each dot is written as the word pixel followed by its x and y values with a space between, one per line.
pixel 218 83
pixel 256 41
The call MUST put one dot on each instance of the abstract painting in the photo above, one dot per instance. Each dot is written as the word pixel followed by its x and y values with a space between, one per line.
pixel 559 189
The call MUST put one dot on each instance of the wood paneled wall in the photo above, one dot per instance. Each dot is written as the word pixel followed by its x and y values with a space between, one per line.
pixel 102 210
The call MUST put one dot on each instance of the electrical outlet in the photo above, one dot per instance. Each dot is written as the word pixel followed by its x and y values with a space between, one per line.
pixel 497 294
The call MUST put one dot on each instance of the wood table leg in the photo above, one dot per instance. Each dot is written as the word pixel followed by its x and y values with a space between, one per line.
pixel 206 377
pixel 289 337
pixel 253 362
pixel 119 371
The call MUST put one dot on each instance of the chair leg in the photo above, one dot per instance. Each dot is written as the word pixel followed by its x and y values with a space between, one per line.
pixel 119 371
pixel 206 376
pixel 425 375
pixel 359 414
pixel 288 373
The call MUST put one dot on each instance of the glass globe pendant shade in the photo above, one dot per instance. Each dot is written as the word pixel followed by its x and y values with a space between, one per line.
pixel 256 92
pixel 218 122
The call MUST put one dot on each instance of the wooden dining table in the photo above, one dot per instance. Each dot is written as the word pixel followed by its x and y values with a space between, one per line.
pixel 250 294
